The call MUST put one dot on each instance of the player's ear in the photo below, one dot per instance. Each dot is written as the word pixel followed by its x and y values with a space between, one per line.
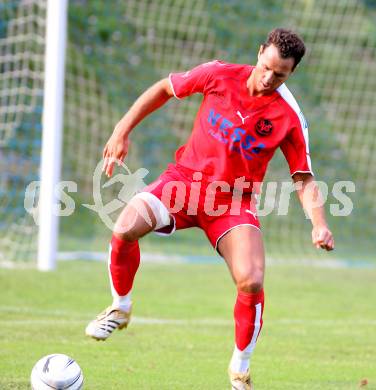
pixel 261 50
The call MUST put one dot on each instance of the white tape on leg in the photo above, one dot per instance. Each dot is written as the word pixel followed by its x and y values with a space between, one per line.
pixel 159 210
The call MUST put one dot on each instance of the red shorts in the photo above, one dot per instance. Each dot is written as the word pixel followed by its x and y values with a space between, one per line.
pixel 195 203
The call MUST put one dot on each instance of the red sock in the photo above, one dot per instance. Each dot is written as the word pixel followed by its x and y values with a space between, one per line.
pixel 124 262
pixel 248 318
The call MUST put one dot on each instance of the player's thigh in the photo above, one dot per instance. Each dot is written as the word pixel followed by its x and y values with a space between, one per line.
pixel 135 220
pixel 243 250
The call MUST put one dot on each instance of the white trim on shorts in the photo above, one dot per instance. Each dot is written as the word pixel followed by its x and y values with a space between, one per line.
pixel 169 233
pixel 292 174
pixel 233 227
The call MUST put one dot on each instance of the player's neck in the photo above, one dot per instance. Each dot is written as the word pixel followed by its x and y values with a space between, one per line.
pixel 252 86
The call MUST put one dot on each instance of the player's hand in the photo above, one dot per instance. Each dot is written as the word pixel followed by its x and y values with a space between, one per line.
pixel 115 151
pixel 322 237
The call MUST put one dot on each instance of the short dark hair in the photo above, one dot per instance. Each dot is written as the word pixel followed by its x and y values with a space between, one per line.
pixel 289 44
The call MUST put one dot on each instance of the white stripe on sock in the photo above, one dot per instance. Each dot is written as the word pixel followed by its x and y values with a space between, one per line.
pixel 256 331
pixel 240 359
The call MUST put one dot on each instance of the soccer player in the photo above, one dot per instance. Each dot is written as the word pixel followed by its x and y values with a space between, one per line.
pixel 246 113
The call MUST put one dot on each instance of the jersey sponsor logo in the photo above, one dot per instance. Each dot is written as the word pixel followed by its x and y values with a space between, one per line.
pixel 264 127
pixel 237 139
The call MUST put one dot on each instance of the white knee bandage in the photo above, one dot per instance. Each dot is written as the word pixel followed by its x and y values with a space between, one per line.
pixel 159 210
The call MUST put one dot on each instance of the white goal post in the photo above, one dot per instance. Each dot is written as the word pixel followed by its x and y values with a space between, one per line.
pixel 52 125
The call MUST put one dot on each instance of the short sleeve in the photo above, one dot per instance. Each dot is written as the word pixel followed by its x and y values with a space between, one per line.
pixel 295 147
pixel 193 81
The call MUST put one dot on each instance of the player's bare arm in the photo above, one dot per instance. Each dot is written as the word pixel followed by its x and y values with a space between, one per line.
pixel 117 146
pixel 310 197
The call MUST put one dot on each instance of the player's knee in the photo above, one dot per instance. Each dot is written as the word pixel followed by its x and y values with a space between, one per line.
pixel 129 235
pixel 125 230
pixel 133 223
pixel 253 282
pixel 132 229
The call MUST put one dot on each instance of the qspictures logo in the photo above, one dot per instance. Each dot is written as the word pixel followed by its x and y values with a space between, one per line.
pixel 131 184
pixel 267 198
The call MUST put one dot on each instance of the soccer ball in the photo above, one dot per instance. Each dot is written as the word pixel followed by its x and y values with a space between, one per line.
pixel 58 372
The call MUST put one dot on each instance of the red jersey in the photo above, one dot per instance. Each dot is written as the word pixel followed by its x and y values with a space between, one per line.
pixel 234 134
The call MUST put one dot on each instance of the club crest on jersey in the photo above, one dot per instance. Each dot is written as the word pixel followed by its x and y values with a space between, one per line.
pixel 264 127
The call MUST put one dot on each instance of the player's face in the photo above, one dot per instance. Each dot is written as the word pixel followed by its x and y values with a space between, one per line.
pixel 271 70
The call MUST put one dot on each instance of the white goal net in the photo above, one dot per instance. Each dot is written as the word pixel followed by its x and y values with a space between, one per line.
pixel 115 52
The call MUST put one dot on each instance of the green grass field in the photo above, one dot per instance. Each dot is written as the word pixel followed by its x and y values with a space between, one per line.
pixel 319 330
